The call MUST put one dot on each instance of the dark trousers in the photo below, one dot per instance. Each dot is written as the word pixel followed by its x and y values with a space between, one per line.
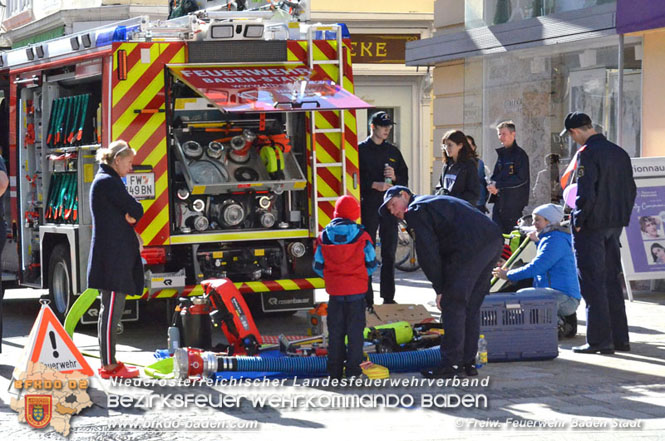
pixel 460 314
pixel 346 318
pixel 110 313
pixel 387 226
pixel 599 268
pixel 506 214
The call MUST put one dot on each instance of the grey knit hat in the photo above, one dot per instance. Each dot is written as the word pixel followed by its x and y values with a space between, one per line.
pixel 551 212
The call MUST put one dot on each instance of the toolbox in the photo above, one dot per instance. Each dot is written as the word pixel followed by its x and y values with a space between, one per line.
pixel 519 327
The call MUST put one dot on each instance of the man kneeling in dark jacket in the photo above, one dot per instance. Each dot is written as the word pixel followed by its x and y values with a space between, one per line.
pixel 457 247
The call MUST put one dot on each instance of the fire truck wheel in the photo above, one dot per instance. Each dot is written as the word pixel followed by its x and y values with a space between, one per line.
pixel 60 281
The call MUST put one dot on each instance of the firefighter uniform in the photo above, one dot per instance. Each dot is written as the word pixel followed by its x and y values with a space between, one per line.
pixel 511 177
pixel 457 248
pixel 605 196
pixel 372 160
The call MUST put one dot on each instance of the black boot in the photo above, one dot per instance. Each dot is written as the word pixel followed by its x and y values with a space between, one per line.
pixel 568 329
pixel 443 372
pixel 470 369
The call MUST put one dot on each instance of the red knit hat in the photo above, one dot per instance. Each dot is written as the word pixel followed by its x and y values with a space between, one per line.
pixel 506 253
pixel 347 207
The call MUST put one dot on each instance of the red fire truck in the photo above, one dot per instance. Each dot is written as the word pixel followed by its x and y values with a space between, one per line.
pixel 245 134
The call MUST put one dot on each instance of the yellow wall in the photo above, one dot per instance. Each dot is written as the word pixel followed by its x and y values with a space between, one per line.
pixel 448 111
pixel 653 94
pixel 448 90
pixel 373 6
pixel 449 16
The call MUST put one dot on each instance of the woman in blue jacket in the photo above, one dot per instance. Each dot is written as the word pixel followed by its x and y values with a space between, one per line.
pixel 554 269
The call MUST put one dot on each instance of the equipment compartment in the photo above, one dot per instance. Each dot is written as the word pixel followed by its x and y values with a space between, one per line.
pixel 211 167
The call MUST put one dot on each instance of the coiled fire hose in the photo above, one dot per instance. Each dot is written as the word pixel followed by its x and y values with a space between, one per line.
pixel 190 362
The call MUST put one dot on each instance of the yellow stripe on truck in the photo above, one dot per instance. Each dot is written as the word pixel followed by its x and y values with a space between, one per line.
pixel 254 286
pixel 156 225
pixel 284 284
pixel 127 118
pixel 236 236
pixel 122 87
pixel 288 285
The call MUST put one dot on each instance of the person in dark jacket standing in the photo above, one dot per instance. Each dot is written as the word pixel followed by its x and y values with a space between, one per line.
pixel 457 247
pixel 345 259
pixel 605 196
pixel 459 177
pixel 509 184
pixel 115 267
pixel 381 165
pixel 482 177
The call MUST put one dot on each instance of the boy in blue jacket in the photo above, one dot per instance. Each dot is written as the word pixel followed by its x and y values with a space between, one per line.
pixel 345 259
pixel 554 269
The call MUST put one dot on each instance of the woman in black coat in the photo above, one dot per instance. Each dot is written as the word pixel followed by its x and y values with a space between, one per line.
pixel 459 177
pixel 115 267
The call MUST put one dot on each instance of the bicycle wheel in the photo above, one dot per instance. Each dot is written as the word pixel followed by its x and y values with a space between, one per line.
pixel 409 263
pixel 405 256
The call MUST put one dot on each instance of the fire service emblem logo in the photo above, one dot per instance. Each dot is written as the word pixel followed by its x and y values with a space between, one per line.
pixel 38 410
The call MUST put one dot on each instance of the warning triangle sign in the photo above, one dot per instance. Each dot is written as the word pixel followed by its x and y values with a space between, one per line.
pixel 50 344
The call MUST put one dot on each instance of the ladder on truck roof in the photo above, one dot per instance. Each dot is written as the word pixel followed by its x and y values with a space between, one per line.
pixel 320 126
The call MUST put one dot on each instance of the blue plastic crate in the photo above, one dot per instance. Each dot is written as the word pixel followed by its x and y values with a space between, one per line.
pixel 519 327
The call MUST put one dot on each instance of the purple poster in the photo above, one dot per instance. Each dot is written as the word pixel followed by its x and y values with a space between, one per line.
pixel 639 15
pixel 645 234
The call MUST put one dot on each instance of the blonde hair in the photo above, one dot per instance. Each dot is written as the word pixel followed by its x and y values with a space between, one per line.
pixel 506 125
pixel 117 149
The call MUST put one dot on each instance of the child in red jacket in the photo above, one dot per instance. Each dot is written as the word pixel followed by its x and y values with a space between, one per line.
pixel 345 259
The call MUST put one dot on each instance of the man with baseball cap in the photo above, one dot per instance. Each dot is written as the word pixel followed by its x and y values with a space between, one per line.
pixel 457 248
pixel 381 166
pixel 605 196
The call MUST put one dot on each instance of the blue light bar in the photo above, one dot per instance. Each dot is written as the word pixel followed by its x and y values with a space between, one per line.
pixel 117 33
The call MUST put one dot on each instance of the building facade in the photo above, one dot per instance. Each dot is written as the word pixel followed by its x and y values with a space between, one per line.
pixel 30 21
pixel 533 61
pixel 379 32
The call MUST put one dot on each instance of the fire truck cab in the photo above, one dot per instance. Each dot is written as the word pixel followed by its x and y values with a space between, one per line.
pixel 245 134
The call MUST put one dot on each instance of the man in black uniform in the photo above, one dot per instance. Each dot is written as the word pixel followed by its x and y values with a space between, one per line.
pixel 457 248
pixel 605 196
pixel 381 166
pixel 510 180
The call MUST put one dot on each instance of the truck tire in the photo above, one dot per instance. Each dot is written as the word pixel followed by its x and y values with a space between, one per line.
pixel 60 281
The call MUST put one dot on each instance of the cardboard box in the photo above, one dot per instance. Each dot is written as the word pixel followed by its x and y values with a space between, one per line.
pixel 397 313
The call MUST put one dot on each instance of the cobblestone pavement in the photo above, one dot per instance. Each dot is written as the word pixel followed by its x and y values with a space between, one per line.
pixel 574 396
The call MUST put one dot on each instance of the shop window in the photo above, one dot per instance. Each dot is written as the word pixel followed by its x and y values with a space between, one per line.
pixel 15 7
pixel 537 87
pixel 479 13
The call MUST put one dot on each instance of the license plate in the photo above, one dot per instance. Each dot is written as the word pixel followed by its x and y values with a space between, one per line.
pixel 141 185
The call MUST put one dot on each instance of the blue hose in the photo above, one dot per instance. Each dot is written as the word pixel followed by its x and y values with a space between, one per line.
pixel 395 362
pixel 408 361
pixel 291 365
